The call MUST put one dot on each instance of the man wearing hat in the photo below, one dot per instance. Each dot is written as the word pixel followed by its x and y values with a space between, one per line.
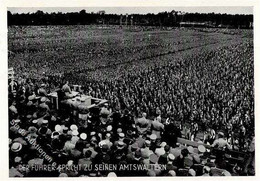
pixel 157 127
pixel 142 124
pixel 169 165
pixel 163 159
pixel 221 143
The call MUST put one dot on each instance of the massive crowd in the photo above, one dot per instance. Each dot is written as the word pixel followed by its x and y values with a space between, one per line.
pixel 207 99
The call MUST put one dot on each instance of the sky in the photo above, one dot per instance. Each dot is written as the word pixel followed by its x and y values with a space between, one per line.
pixel 139 10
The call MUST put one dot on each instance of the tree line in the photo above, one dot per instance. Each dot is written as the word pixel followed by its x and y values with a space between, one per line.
pixel 173 18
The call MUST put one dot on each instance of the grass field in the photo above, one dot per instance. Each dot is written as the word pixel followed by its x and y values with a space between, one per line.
pixel 105 53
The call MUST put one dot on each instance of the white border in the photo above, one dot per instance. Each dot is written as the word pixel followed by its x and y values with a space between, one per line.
pixel 4 172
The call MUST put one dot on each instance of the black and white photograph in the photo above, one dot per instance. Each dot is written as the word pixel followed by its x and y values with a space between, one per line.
pixel 131 91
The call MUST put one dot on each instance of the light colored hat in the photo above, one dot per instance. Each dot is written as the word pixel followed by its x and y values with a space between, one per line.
pixel 83 136
pixel 17 159
pixel 226 173
pixel 32 97
pixel 112 174
pixel 171 157
pixel 172 173
pixel 92 133
pixel 109 128
pixel 196 158
pixel 201 148
pixel 17 120
pixel 16 147
pixel 147 142
pixel 119 130
pixel 190 149
pixel 45 121
pixel 63 175
pixel 153 137
pixel 154 158
pixel 29 103
pixel 74 127
pixel 163 144
pixel 53 118
pixel 221 133
pixel 206 168
pixel 151 173
pixel 58 128
pixel 55 133
pixel 108 135
pixel 43 99
pixel 75 132
pixel 70 162
pixel 192 172
pixel 121 135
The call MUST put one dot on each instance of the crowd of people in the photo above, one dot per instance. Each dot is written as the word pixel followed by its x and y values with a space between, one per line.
pixel 207 99
pixel 91 48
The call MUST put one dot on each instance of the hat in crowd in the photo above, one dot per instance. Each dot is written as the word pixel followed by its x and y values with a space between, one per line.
pixel 147 142
pixel 42 85
pixel 17 159
pixel 35 161
pixel 73 127
pixel 119 130
pixel 16 147
pixel 45 122
pixel 192 172
pixel 134 146
pixel 188 162
pixel 145 154
pixel 35 115
pixel 201 148
pixel 163 144
pixel 190 149
pixel 206 169
pixel 153 137
pixel 29 116
pixel 221 133
pixel 32 97
pixel 29 103
pixel 154 158
pixel 70 162
pixel 92 133
pixel 32 129
pixel 75 132
pixel 196 158
pixel 43 99
pixel 226 173
pixel 58 128
pixel 151 173
pixel 121 135
pixel 108 135
pixel 109 128
pixel 120 144
pixel 171 157
pixel 111 174
pixel 54 134
pixel 35 121
pixel 53 118
pixel 63 175
pixel 17 120
pixel 172 173
pixel 176 152
pixel 83 136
